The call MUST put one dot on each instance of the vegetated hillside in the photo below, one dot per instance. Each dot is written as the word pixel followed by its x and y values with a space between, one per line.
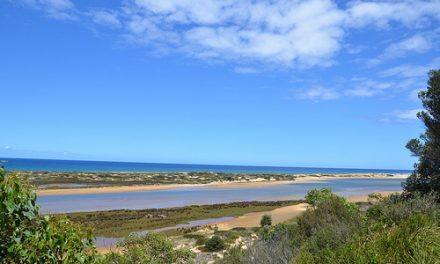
pixel 395 229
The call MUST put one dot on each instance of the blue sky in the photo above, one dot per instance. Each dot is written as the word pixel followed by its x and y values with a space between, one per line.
pixel 289 83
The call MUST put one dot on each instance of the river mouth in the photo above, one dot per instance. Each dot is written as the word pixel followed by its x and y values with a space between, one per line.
pixel 202 195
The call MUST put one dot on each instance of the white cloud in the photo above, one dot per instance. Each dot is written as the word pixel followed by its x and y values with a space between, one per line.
pixel 411 77
pixel 105 18
pixel 414 94
pixel 274 33
pixel 406 71
pixel 318 93
pixel 401 116
pixel 368 88
pixel 57 9
pixel 247 70
pixel 284 33
pixel 383 13
pixel 416 43
pixel 407 114
pixel 289 33
pixel 409 71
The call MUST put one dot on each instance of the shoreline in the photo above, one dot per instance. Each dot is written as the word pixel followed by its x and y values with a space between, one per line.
pixel 229 184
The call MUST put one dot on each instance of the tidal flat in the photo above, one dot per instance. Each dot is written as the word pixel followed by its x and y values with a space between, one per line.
pixel 120 223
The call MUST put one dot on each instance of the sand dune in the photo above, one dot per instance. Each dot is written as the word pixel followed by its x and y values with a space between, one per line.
pixel 140 188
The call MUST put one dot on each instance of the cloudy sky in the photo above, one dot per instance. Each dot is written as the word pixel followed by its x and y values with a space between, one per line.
pixel 291 83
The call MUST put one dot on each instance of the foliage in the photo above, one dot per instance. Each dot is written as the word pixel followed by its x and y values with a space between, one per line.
pixel 397 229
pixel 396 208
pixel 215 243
pixel 394 229
pixel 426 177
pixel 266 220
pixel 272 232
pixel 315 196
pixel 27 237
pixel 414 240
pixel 323 229
pixel 151 248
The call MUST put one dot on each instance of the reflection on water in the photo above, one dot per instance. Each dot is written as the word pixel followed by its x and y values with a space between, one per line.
pixel 208 195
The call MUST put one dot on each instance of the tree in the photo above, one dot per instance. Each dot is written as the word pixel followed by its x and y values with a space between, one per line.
pixel 426 175
pixel 266 220
pixel 27 237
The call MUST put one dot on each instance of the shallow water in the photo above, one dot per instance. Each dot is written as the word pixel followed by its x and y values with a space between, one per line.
pixel 209 195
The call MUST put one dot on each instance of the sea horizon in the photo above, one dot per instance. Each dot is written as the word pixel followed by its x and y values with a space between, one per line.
pixel 35 164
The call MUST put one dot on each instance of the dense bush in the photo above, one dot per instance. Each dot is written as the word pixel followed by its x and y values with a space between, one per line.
pixel 27 237
pixel 315 196
pixel 149 249
pixel 266 220
pixel 414 240
pixel 215 243
pixel 395 229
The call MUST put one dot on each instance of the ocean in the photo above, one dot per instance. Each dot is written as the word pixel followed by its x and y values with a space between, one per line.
pixel 111 166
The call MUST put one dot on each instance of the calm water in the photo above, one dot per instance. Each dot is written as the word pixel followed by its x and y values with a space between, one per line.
pixel 209 195
pixel 76 165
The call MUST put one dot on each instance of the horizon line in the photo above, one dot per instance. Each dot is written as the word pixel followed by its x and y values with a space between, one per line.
pixel 198 164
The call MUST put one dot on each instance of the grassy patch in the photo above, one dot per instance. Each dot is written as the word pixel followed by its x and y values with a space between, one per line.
pixel 119 223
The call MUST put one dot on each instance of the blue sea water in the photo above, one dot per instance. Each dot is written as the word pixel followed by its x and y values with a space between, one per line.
pixel 110 166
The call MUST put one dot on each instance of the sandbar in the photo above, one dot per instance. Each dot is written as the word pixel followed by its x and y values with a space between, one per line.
pixel 229 184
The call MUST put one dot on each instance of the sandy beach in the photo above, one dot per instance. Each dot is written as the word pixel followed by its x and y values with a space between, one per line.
pixel 233 184
pixel 253 219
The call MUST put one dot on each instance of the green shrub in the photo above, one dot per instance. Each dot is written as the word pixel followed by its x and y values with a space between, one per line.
pixel 414 240
pixel 395 208
pixel 215 243
pixel 395 229
pixel 324 228
pixel 315 196
pixel 149 249
pixel 332 213
pixel 26 237
pixel 266 220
